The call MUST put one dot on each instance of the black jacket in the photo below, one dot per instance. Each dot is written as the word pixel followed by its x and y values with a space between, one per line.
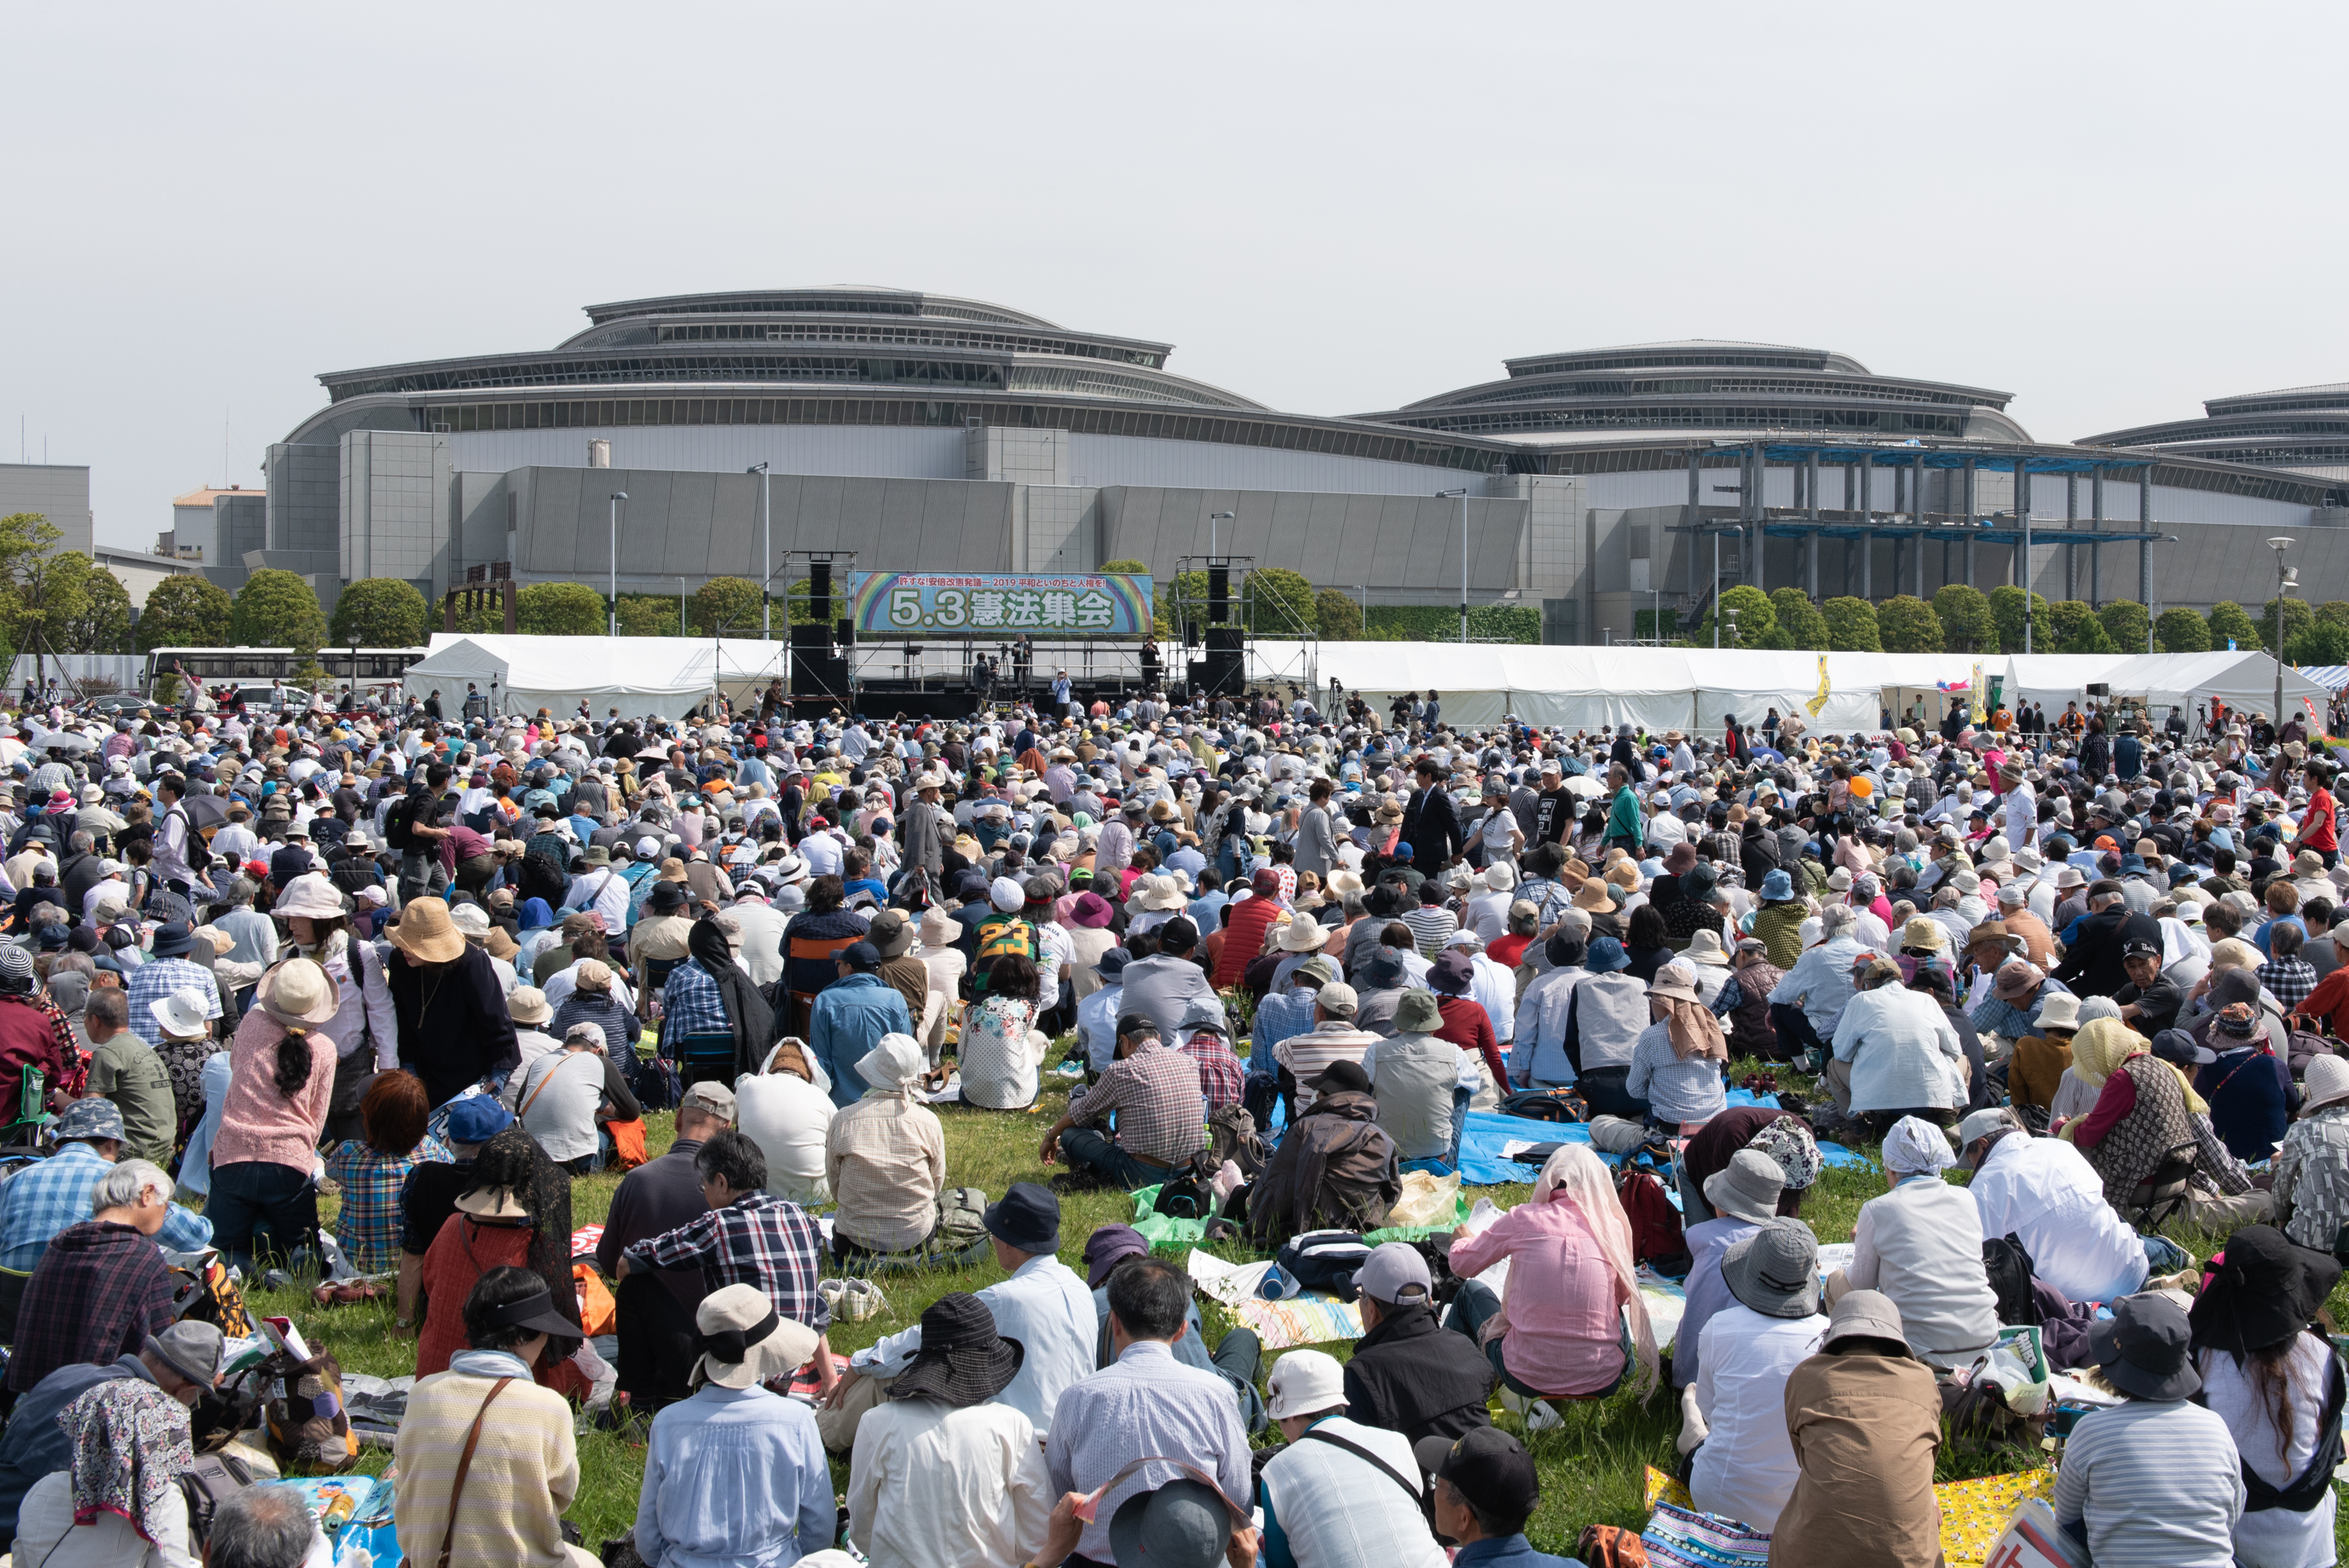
pixel 1432 828
pixel 1411 1374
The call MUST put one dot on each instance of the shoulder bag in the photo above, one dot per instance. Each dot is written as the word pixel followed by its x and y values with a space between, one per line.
pixel 464 1464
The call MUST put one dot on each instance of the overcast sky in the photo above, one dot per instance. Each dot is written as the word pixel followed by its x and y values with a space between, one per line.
pixel 2113 213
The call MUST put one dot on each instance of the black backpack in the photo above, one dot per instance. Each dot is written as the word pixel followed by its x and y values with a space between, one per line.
pixel 2008 1263
pixel 1325 1261
pixel 211 1481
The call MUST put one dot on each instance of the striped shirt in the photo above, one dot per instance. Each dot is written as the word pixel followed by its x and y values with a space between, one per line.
pixel 2158 1484
pixel 1308 1055
pixel 1431 926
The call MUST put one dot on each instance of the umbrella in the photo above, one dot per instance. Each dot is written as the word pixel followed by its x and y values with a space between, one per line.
pixel 1584 785
pixel 70 742
pixel 206 810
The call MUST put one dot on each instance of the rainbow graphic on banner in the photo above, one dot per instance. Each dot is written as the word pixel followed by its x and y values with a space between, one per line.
pixel 999 604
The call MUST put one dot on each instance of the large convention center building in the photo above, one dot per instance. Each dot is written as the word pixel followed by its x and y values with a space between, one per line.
pixel 930 433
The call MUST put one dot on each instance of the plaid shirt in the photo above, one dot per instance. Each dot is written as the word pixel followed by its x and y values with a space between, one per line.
pixel 1161 1114
pixel 1219 1070
pixel 100 1291
pixel 1278 1016
pixel 43 1200
pixel 159 978
pixel 756 1240
pixel 691 1004
pixel 2289 980
pixel 370 1224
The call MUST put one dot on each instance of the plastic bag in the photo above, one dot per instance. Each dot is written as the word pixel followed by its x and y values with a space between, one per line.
pixel 1426 1200
pixel 2031 1540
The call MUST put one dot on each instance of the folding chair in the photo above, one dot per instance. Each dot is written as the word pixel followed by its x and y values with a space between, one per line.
pixel 21 1136
pixel 2163 1195
pixel 705 1056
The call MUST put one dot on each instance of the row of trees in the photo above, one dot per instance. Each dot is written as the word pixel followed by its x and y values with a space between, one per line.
pixel 1962 620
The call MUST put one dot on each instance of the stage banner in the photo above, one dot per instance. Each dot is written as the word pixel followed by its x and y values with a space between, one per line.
pixel 989 603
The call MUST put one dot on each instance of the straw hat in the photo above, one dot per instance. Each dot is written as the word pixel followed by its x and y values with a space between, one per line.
pixel 1302 934
pixel 299 992
pixel 426 933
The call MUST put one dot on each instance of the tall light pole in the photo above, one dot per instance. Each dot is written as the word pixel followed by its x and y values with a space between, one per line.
pixel 617 497
pixel 1462 494
pixel 2287 579
pixel 766 528
pixel 1213 518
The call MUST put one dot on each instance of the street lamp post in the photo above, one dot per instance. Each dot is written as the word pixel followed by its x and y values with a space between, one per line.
pixel 1214 518
pixel 2287 579
pixel 617 497
pixel 767 530
pixel 1462 494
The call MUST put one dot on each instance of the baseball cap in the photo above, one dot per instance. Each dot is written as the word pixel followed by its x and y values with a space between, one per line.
pixel 1487 1466
pixel 1395 1273
pixel 711 1097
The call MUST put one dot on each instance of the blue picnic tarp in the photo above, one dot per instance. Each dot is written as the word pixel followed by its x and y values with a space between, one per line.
pixel 1484 1143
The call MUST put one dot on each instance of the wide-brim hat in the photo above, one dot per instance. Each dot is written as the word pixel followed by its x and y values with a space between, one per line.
pixel 312 895
pixel 1747 1188
pixel 1303 933
pixel 743 1340
pixel 426 932
pixel 493 1203
pixel 299 992
pixel 1864 1313
pixel 2059 1010
pixel 528 1005
pixel 2143 1348
pixel 1706 947
pixel 892 933
pixel 1775 1270
pixel 181 1014
pixel 2326 1082
pixel 963 1361
pixel 1184 1523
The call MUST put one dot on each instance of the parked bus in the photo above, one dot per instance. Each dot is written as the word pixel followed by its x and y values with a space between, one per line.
pixel 244 666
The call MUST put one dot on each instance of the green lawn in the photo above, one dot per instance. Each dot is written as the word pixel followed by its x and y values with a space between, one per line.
pixel 1590 1468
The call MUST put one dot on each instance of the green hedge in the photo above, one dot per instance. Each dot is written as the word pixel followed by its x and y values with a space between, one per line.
pixel 1441 624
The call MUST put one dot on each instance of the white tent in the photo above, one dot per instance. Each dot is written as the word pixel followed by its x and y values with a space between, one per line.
pixel 638 675
pixel 2054 679
pixel 2244 678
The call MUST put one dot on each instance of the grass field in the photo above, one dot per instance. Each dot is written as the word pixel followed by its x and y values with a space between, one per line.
pixel 1590 1468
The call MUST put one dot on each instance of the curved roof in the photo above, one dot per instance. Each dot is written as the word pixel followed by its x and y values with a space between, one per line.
pixel 1708 384
pixel 858 298
pixel 2292 427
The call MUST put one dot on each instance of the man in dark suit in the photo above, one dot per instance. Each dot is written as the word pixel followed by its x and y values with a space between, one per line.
pixel 1430 824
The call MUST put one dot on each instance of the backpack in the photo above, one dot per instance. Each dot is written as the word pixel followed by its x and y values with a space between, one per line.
pixel 1546 1105
pixel 202 1292
pixel 2007 1262
pixel 1188 1192
pixel 1325 1261
pixel 399 820
pixel 211 1481
pixel 199 847
pixel 1232 1135
pixel 1655 1225
pixel 654 1080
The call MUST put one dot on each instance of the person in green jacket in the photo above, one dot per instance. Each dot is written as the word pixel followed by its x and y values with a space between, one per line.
pixel 1626 824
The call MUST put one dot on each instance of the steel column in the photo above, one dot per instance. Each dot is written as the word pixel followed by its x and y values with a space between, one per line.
pixel 1811 563
pixel 2095 550
pixel 2071 521
pixel 1695 514
pixel 2144 558
pixel 1811 492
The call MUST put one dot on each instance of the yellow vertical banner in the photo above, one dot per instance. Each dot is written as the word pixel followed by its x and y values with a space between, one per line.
pixel 1975 692
pixel 1820 701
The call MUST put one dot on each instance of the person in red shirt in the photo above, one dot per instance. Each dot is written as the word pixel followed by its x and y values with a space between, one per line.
pixel 2320 824
pixel 1524 920
pixel 1466 1023
pixel 1245 924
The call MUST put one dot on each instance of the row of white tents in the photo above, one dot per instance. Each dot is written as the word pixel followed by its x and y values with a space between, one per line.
pixel 1577 688
pixel 1696 689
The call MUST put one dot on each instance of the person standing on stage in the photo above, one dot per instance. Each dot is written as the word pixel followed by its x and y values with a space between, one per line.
pixel 1060 690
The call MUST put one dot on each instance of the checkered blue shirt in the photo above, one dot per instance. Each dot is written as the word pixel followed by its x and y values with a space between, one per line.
pixel 1281 1015
pixel 158 978
pixel 44 1199
pixel 757 1239
pixel 691 1004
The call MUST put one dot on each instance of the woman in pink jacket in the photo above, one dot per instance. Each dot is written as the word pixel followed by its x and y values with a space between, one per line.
pixel 1571 1322
pixel 281 1076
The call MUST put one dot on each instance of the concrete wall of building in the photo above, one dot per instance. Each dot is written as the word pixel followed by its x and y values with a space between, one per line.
pixel 395 494
pixel 701 525
pixel 1021 456
pixel 1398 547
pixel 858 452
pixel 305 502
pixel 58 492
pixel 1139 461
pixel 240 526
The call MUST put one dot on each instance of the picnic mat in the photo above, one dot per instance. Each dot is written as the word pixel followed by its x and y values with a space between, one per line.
pixel 1422 1197
pixel 1311 1318
pixel 1973 1513
pixel 1489 1138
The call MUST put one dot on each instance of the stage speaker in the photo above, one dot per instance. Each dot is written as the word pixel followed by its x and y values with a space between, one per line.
pixel 820 590
pixel 1227 661
pixel 844 634
pixel 820 676
pixel 1219 592
pixel 810 641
